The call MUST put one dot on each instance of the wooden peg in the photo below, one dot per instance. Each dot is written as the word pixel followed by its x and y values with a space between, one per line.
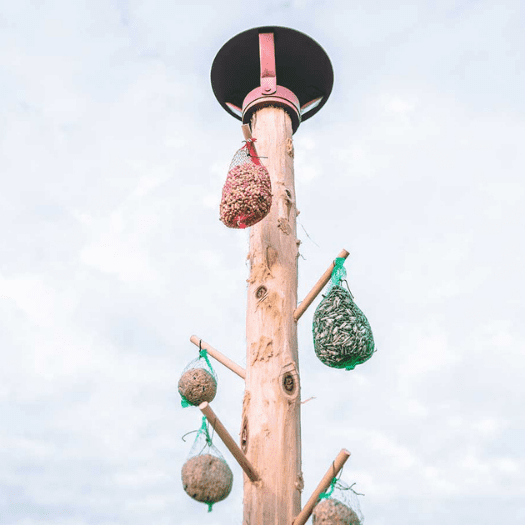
pixel 314 292
pixel 228 363
pixel 246 131
pixel 236 452
pixel 331 473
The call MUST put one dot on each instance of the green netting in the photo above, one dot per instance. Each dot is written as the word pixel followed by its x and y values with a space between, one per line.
pixel 206 477
pixel 338 273
pixel 198 381
pixel 328 491
pixel 345 504
pixel 342 334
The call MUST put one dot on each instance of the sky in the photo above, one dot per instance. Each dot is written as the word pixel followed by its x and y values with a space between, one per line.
pixel 113 153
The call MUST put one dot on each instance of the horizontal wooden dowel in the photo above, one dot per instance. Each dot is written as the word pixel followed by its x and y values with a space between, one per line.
pixel 236 452
pixel 228 363
pixel 331 473
pixel 314 292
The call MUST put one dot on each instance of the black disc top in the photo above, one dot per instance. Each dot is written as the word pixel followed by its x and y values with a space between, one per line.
pixel 302 66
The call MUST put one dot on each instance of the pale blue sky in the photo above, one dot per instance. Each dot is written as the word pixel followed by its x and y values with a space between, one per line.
pixel 113 153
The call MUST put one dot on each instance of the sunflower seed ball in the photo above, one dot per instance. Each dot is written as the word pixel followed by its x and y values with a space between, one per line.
pixel 342 335
pixel 197 385
pixel 207 478
pixel 333 512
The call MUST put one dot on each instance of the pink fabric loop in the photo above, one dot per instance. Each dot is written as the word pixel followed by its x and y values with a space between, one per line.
pixel 251 151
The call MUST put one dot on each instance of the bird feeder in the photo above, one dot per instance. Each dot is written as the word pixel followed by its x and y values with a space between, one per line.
pixel 280 77
pixel 272 66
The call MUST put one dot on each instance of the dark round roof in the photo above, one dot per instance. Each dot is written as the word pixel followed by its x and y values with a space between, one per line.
pixel 302 66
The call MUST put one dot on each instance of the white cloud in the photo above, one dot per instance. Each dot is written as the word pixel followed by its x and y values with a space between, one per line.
pixel 395 104
pixel 31 296
pixel 124 260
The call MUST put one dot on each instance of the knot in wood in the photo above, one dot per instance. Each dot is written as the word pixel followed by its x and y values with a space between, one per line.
pixel 244 435
pixel 289 383
pixel 261 292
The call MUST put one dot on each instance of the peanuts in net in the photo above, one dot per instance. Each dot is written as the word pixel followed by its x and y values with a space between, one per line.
pixel 246 195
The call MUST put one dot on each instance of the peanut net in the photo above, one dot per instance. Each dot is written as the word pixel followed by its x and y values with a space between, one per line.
pixel 247 192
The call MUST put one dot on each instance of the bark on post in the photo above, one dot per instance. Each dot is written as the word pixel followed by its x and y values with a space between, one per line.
pixel 271 428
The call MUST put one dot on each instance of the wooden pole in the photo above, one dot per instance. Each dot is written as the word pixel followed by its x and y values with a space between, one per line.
pixel 228 363
pixel 236 452
pixel 331 473
pixel 319 285
pixel 271 431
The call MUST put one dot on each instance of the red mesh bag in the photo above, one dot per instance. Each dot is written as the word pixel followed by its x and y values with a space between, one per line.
pixel 247 192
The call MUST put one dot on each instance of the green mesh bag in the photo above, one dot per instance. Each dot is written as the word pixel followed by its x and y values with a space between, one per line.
pixel 206 477
pixel 198 382
pixel 342 335
pixel 339 505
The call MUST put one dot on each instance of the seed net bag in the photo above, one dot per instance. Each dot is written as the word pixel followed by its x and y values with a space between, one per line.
pixel 206 477
pixel 247 192
pixel 342 335
pixel 198 382
pixel 339 505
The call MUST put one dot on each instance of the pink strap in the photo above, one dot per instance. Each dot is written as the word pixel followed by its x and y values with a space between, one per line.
pixel 251 151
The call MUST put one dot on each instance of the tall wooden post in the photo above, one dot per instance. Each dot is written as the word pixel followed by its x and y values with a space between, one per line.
pixel 291 89
pixel 271 430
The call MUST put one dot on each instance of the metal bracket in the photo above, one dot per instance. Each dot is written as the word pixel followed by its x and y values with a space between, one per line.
pixel 267 59
pixel 269 93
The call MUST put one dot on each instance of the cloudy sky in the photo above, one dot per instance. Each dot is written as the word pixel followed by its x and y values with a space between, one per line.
pixel 113 153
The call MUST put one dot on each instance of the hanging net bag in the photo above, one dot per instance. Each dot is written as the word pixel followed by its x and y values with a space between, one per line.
pixel 198 382
pixel 342 335
pixel 206 477
pixel 247 192
pixel 339 505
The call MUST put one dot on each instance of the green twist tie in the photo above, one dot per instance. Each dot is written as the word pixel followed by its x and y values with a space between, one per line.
pixel 326 495
pixel 204 353
pixel 338 273
pixel 204 430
